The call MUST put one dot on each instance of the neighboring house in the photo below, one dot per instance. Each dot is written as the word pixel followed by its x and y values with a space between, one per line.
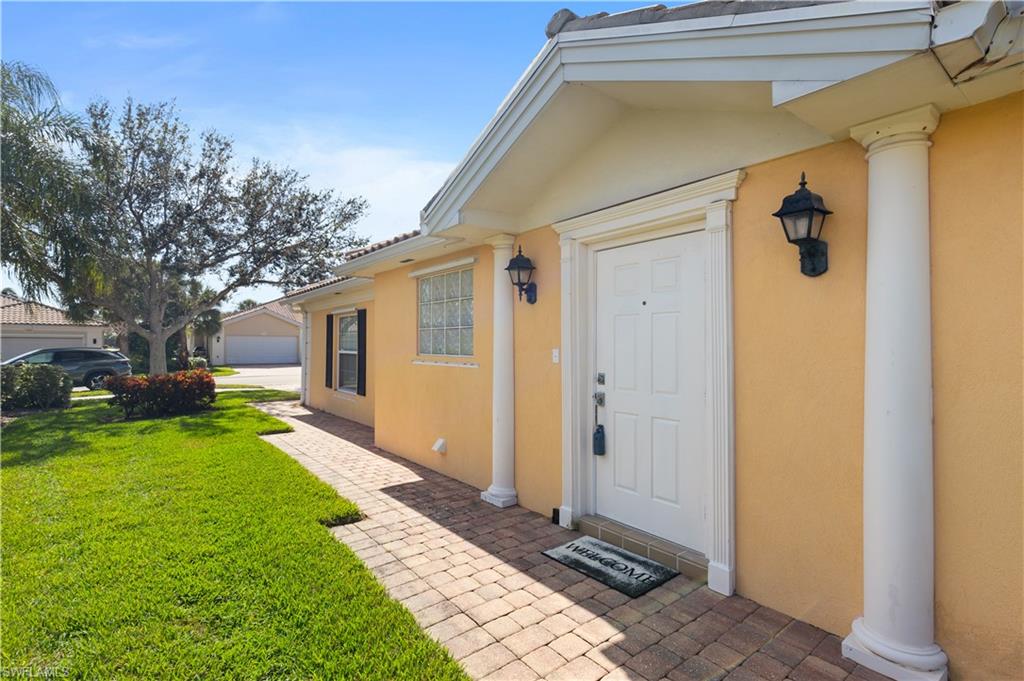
pixel 845 448
pixel 268 334
pixel 26 325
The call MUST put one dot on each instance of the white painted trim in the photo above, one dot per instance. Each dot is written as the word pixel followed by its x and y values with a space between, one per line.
pixel 344 310
pixel 343 285
pixel 304 333
pixel 719 400
pixel 408 246
pixel 701 206
pixel 441 363
pixel 442 267
pixel 820 43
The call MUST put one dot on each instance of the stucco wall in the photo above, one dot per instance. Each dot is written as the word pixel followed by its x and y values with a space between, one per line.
pixel 799 377
pixel 415 403
pixel 261 324
pixel 538 379
pixel 977 199
pixel 799 390
pixel 347 405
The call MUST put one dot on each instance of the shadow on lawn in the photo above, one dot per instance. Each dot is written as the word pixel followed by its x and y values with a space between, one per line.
pixel 37 438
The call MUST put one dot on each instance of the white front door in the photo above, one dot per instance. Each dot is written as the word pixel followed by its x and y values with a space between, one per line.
pixel 649 319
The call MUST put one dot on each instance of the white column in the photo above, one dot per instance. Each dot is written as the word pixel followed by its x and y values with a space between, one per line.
pixel 304 357
pixel 721 552
pixel 502 491
pixel 896 634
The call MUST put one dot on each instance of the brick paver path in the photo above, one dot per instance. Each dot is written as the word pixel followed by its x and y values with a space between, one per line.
pixel 474 578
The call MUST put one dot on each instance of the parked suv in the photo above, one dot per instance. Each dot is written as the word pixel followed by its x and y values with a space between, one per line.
pixel 86 366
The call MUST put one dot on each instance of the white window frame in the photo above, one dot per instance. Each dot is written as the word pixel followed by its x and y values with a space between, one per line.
pixel 431 274
pixel 355 353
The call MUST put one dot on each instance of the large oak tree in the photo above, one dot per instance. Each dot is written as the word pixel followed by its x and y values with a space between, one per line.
pixel 167 210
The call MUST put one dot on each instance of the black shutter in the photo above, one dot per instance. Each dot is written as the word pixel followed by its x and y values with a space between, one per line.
pixel 361 347
pixel 329 360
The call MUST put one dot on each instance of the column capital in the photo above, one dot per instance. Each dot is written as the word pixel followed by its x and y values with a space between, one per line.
pixel 921 122
pixel 500 241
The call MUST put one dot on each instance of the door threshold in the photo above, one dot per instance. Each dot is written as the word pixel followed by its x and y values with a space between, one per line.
pixel 687 561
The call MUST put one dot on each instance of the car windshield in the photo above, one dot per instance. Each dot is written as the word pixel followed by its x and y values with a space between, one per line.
pixel 32 357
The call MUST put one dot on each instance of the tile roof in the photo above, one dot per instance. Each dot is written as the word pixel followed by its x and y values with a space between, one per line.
pixel 566 20
pixel 314 286
pixel 366 250
pixel 17 311
pixel 276 306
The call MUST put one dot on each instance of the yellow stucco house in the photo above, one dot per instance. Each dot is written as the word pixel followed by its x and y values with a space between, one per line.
pixel 844 447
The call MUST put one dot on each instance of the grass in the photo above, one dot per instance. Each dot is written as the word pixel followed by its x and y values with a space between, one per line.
pixel 186 547
pixel 223 371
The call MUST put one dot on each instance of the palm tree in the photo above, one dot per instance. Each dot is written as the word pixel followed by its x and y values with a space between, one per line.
pixel 37 141
pixel 246 305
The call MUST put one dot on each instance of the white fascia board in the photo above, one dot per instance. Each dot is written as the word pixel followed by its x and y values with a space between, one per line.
pixel 406 247
pixel 542 58
pixel 764 46
pixel 344 285
pixel 537 90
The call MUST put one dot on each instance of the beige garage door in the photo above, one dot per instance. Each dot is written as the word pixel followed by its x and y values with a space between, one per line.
pixel 12 346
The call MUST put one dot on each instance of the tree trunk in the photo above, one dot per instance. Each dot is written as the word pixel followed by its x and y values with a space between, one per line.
pixel 122 343
pixel 182 348
pixel 157 354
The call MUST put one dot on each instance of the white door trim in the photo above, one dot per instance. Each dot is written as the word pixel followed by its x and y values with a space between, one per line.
pixel 700 206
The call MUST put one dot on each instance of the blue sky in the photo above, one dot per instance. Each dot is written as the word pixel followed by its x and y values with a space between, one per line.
pixel 375 99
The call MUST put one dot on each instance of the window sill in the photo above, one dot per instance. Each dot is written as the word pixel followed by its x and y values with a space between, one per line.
pixel 462 363
pixel 346 394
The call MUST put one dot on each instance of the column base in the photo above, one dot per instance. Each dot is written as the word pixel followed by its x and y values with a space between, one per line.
pixel 855 649
pixel 565 517
pixel 497 496
pixel 721 578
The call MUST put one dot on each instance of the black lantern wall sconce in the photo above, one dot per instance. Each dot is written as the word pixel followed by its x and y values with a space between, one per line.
pixel 520 271
pixel 803 215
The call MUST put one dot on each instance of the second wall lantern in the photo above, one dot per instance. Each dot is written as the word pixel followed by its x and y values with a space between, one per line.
pixel 803 215
pixel 520 271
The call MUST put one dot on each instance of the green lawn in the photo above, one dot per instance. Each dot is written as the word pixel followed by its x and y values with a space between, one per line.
pixel 186 547
pixel 223 371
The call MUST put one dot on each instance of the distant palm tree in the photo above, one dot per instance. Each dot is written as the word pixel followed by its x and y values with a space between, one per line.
pixel 246 305
pixel 36 135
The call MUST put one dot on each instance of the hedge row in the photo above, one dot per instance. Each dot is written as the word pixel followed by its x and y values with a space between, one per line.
pixel 34 386
pixel 179 393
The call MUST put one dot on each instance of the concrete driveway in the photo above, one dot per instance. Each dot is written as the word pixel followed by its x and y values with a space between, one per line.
pixel 280 377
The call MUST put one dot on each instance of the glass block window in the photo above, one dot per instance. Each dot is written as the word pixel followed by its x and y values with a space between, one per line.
pixel 446 314
pixel 348 353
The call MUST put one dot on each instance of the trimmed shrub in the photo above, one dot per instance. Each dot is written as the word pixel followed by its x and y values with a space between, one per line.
pixel 197 363
pixel 182 392
pixel 129 392
pixel 34 386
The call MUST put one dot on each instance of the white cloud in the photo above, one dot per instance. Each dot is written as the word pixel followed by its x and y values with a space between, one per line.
pixel 396 182
pixel 139 41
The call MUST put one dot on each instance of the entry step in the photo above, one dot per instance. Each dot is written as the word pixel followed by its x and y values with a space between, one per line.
pixel 691 563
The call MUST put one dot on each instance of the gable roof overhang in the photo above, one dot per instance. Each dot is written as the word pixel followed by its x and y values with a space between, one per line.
pixel 830 66
pixel 310 294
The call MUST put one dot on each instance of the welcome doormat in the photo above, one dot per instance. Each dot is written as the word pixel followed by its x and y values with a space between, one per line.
pixel 622 570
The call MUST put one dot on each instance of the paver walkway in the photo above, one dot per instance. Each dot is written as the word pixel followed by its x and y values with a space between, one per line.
pixel 474 578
